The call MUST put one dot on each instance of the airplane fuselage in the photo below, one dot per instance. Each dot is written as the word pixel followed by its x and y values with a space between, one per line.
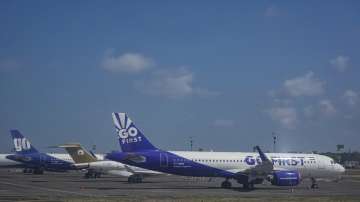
pixel 50 162
pixel 228 164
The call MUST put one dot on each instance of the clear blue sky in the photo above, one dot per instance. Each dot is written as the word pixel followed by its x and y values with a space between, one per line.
pixel 227 73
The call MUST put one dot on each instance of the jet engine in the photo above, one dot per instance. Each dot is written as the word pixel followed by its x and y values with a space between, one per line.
pixel 285 178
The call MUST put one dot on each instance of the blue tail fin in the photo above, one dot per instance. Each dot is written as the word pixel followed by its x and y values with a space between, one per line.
pixel 131 138
pixel 21 144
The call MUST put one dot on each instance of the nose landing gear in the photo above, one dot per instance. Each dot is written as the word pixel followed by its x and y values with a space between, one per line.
pixel 226 184
pixel 314 185
pixel 135 179
pixel 248 186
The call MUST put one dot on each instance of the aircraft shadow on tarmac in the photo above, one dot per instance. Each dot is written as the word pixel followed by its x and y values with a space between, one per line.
pixel 235 189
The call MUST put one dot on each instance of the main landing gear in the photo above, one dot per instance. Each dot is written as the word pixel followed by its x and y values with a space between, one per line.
pixel 314 185
pixel 36 171
pixel 92 175
pixel 226 184
pixel 27 170
pixel 135 179
pixel 248 186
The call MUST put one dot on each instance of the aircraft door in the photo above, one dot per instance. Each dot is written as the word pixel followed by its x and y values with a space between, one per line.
pixel 164 160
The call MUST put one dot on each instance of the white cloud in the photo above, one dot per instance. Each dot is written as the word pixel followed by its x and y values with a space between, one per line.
pixel 224 123
pixel 128 62
pixel 341 63
pixel 285 116
pixel 272 11
pixel 326 107
pixel 351 97
pixel 172 84
pixel 306 85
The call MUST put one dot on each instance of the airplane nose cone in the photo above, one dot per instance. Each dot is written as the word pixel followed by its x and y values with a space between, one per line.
pixel 340 168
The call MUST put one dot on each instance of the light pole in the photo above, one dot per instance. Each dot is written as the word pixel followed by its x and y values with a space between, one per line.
pixel 274 139
pixel 191 143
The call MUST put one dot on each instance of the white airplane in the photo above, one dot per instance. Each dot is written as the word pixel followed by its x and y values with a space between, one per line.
pixel 281 169
pixel 97 165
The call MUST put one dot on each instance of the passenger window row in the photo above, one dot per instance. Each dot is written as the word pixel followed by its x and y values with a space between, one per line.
pixel 216 161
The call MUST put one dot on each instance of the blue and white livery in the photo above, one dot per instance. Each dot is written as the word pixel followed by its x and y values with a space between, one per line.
pixel 247 168
pixel 34 161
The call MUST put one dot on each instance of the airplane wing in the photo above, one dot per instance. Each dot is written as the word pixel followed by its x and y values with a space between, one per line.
pixel 122 173
pixel 78 153
pixel 143 172
pixel 261 170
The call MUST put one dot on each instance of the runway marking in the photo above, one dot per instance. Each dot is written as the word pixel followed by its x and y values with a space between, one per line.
pixel 47 189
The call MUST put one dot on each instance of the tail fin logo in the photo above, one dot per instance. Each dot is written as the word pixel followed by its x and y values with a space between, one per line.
pixel 80 152
pixel 21 144
pixel 125 129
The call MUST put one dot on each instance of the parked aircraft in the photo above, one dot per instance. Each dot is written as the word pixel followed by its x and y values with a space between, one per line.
pixel 247 168
pixel 97 165
pixel 35 162
pixel 7 163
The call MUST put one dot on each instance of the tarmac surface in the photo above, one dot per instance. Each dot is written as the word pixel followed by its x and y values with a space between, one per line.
pixel 71 186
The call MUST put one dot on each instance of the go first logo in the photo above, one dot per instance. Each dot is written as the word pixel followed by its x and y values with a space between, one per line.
pixel 126 130
pixel 21 144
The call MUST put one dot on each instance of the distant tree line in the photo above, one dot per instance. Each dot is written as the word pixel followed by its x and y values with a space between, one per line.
pixel 344 156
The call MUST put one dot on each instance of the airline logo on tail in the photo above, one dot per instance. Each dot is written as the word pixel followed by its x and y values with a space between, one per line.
pixel 125 128
pixel 80 152
pixel 21 144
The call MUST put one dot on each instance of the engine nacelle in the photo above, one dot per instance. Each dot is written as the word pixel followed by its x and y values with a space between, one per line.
pixel 285 178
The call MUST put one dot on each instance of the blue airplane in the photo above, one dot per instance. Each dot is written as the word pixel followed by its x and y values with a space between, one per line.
pixel 247 168
pixel 34 161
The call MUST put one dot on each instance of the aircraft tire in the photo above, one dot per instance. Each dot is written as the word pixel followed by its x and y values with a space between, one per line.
pixel 38 171
pixel 138 180
pixel 28 170
pixel 248 186
pixel 226 184
pixel 97 175
pixel 87 175
pixel 135 179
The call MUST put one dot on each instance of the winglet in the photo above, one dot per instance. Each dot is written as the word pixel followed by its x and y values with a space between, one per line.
pixel 263 157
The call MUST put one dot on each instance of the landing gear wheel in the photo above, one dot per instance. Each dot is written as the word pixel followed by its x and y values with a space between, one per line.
pixel 314 185
pixel 38 171
pixel 27 170
pixel 248 186
pixel 226 184
pixel 135 179
pixel 88 175
pixel 138 180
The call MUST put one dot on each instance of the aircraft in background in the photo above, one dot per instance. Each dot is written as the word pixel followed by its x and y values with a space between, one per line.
pixel 97 165
pixel 7 163
pixel 35 162
pixel 281 169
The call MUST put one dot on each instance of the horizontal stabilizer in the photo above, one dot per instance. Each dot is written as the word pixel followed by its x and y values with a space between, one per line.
pixel 78 153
